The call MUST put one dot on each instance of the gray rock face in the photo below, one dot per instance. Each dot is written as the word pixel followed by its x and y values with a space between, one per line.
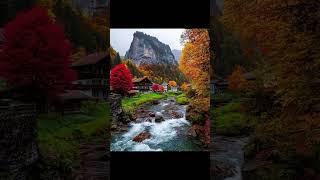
pixel 146 49
pixel 177 54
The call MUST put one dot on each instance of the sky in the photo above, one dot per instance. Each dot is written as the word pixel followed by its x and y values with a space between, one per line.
pixel 121 39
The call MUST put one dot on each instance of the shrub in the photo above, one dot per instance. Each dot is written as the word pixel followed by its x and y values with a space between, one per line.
pixel 182 99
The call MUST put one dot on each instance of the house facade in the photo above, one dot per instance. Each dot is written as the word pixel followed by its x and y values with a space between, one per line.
pixel 218 85
pixel 143 84
pixel 173 89
pixel 165 86
pixel 92 75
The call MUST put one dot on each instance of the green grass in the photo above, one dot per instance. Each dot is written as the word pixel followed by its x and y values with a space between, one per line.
pixel 182 99
pixel 129 104
pixel 60 136
pixel 229 119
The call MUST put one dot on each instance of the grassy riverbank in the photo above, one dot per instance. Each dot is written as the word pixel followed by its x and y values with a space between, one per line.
pixel 228 116
pixel 60 136
pixel 130 104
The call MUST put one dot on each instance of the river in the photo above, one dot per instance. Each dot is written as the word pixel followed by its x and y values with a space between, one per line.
pixel 227 157
pixel 169 135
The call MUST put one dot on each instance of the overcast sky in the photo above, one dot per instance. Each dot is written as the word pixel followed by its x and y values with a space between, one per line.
pixel 121 39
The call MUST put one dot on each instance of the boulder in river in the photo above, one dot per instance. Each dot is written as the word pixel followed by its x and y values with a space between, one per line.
pixel 155 102
pixel 176 114
pixel 152 114
pixel 142 136
pixel 158 117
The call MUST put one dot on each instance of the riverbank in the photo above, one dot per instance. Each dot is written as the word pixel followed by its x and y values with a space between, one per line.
pixel 62 137
pixel 231 128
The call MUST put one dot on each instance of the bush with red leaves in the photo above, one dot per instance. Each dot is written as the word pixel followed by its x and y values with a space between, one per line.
pixel 36 55
pixel 157 88
pixel 121 79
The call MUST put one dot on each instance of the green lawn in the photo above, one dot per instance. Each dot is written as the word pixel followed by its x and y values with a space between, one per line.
pixel 60 136
pixel 228 119
pixel 129 104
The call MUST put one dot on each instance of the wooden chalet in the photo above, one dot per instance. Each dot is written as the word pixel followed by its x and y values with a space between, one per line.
pixel 143 84
pixel 218 85
pixel 92 73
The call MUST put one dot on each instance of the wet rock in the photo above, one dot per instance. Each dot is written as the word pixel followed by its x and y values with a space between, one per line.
pixel 158 117
pixel 171 107
pixel 142 136
pixel 114 126
pixel 152 114
pixel 176 114
pixel 221 170
pixel 155 102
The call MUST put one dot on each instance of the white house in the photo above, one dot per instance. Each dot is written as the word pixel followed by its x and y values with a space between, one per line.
pixel 173 89
pixel 165 86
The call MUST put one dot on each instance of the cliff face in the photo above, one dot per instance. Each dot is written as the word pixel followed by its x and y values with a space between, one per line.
pixel 146 49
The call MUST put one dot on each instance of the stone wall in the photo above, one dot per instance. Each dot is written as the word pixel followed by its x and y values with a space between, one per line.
pixel 19 149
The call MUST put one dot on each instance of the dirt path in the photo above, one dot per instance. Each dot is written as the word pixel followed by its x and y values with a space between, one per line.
pixel 94 160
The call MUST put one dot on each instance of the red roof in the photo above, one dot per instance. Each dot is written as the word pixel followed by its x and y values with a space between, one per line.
pixel 91 59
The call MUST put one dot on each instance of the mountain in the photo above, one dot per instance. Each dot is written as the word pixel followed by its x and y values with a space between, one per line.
pixel 177 54
pixel 146 49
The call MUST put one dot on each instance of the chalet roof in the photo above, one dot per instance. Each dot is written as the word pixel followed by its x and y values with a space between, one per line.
pixel 91 59
pixel 137 80
pixel 75 94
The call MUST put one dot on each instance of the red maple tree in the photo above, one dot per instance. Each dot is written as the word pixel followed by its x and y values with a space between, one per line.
pixel 35 55
pixel 121 79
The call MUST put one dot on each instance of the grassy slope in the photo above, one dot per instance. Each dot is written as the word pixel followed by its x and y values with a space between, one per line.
pixel 228 119
pixel 182 99
pixel 60 136
pixel 130 104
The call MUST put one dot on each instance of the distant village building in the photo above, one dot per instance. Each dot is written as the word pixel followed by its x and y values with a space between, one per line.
pixel 165 86
pixel 92 71
pixel 143 84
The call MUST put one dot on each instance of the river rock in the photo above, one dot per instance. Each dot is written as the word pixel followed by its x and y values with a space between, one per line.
pixel 176 114
pixel 142 136
pixel 155 102
pixel 221 170
pixel 152 114
pixel 158 117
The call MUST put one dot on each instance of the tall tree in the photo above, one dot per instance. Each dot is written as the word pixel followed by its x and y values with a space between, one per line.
pixel 36 55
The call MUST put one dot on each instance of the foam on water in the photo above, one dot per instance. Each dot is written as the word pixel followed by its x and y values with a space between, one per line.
pixel 160 133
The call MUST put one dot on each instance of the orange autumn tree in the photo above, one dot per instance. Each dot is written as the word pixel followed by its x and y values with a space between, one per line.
pixel 195 63
pixel 172 83
pixel 237 82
